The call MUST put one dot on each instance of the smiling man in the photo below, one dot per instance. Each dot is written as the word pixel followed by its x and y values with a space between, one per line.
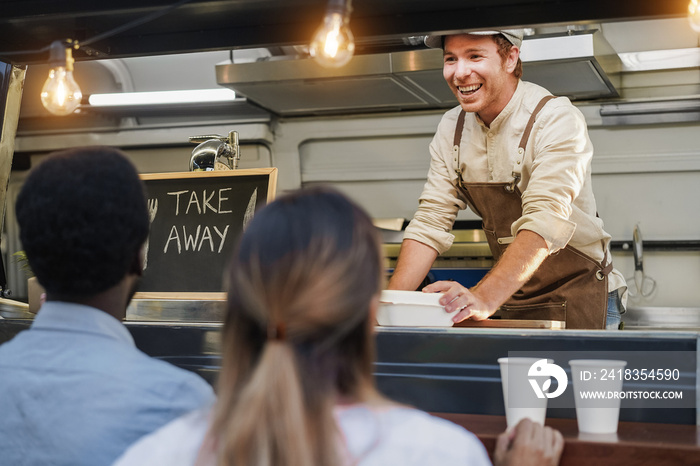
pixel 521 160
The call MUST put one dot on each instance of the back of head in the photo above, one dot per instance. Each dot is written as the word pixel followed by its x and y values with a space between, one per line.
pixel 82 216
pixel 298 333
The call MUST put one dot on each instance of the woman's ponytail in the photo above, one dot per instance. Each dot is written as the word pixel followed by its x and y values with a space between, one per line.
pixel 271 425
pixel 297 337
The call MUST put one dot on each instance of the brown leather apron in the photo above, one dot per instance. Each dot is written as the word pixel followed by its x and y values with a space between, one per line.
pixel 569 285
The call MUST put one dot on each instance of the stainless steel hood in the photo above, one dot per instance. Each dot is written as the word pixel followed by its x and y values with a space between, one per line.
pixel 580 65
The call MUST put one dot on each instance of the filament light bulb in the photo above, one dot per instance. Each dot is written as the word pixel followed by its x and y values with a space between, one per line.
pixel 333 44
pixel 61 95
pixel 694 15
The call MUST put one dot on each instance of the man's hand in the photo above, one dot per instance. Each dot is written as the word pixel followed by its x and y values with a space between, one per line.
pixel 527 444
pixel 512 271
pixel 457 297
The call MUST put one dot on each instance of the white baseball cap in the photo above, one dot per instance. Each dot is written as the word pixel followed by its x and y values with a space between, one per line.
pixel 514 36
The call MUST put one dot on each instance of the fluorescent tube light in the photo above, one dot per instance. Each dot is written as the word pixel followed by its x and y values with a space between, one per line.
pixel 122 99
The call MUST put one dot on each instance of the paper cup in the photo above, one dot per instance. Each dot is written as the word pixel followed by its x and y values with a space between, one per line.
pixel 596 382
pixel 519 397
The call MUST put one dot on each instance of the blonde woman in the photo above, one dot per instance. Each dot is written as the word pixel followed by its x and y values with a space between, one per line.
pixel 296 386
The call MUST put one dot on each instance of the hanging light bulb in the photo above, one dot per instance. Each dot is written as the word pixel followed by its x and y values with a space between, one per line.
pixel 333 44
pixel 694 15
pixel 61 94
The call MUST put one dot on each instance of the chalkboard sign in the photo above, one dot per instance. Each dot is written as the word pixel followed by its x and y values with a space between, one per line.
pixel 196 219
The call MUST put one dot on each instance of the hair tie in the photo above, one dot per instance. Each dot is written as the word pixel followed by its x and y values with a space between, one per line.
pixel 276 331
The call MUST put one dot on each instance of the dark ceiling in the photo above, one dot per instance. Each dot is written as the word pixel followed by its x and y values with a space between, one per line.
pixel 198 25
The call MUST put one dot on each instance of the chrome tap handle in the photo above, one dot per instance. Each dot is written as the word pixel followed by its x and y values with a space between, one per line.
pixel 235 149
pixel 198 139
pixel 212 149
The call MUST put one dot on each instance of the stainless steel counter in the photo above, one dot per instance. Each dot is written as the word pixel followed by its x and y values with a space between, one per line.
pixel 441 369
pixel 662 318
pixel 175 310
pixel 456 369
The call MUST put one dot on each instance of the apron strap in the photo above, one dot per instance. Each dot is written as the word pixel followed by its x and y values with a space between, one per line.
pixel 531 121
pixel 459 128
pixel 517 167
pixel 455 146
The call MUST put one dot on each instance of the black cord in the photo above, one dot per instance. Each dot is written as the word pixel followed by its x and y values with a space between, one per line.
pixel 138 22
pixel 104 35
pixel 25 52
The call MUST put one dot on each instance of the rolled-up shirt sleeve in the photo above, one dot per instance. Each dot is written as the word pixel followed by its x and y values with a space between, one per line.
pixel 561 160
pixel 440 200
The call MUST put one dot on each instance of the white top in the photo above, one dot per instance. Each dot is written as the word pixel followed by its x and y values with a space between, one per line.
pixel 557 195
pixel 373 437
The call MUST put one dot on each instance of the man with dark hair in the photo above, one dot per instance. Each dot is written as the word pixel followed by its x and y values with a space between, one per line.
pixel 521 160
pixel 74 390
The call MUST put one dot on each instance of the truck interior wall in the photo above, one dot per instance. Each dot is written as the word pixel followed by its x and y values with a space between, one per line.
pixel 646 175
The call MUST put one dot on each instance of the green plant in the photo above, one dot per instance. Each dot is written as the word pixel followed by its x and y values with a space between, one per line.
pixel 21 258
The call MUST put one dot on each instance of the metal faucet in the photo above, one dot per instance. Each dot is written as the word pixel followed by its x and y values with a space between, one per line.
pixel 215 152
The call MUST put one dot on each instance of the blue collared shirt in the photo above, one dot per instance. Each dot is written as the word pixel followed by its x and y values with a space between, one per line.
pixel 75 390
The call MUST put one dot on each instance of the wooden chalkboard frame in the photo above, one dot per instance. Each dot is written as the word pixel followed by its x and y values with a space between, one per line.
pixel 270 172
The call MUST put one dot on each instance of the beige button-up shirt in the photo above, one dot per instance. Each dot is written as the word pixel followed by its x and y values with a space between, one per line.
pixel 557 197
